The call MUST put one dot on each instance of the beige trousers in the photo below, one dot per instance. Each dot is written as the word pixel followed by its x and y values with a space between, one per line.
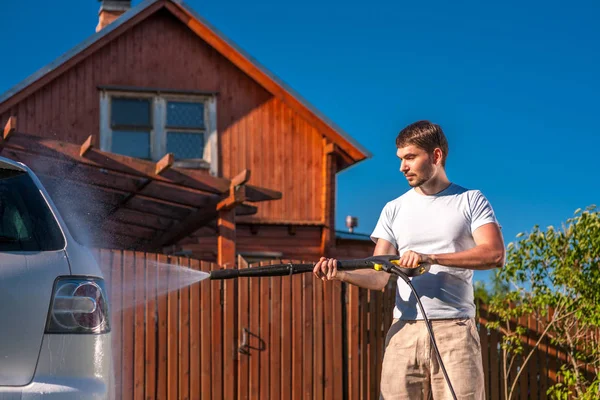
pixel 411 369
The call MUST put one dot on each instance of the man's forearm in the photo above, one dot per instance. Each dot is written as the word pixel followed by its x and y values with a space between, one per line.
pixel 480 257
pixel 365 278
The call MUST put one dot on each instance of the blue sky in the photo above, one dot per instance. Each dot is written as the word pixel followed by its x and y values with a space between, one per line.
pixel 514 85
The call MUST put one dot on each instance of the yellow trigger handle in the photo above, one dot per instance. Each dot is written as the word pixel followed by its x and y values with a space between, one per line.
pixel 379 267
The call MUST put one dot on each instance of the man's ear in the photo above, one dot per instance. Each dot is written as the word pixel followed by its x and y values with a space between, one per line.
pixel 437 156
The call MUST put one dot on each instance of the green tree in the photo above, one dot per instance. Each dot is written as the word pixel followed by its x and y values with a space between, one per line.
pixel 554 276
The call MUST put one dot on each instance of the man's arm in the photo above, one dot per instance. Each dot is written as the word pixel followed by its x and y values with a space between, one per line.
pixel 326 269
pixel 488 252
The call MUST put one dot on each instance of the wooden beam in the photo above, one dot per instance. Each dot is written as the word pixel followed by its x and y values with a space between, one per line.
pixel 226 238
pixel 328 202
pixel 86 146
pixel 117 163
pixel 329 148
pixel 255 194
pixel 332 148
pixel 165 163
pixel 241 179
pixel 10 127
pixel 235 198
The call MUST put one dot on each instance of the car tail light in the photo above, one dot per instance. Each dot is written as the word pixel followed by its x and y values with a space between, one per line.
pixel 79 305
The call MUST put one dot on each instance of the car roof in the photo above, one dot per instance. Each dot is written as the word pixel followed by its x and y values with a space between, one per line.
pixel 7 163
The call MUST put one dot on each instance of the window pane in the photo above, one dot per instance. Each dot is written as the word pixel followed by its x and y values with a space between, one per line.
pixel 185 145
pixel 130 112
pixel 131 143
pixel 26 222
pixel 185 115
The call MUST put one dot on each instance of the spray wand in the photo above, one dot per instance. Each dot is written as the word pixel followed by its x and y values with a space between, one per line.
pixel 379 263
pixel 387 263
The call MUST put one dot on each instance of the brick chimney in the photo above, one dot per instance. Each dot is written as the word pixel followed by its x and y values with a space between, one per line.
pixel 111 10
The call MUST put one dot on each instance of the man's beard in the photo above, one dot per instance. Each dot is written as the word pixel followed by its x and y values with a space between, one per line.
pixel 426 176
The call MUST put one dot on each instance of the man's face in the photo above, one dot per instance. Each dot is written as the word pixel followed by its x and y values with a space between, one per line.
pixel 416 165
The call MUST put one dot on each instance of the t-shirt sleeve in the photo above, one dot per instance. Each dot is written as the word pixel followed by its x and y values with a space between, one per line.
pixel 383 229
pixel 481 211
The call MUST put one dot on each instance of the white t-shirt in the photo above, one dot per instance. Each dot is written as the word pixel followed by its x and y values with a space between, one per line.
pixel 434 224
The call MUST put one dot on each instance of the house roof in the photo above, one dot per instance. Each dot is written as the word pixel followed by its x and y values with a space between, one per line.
pixel 363 237
pixel 114 201
pixel 349 149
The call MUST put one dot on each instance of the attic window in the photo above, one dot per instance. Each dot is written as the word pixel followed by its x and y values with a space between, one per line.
pixel 149 125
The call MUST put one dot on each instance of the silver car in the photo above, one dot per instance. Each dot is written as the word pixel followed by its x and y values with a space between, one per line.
pixel 54 314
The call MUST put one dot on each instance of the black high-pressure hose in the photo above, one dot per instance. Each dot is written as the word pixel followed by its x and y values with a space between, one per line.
pixel 385 263
pixel 437 351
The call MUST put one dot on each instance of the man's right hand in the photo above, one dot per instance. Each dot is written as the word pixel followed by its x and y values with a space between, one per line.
pixel 326 270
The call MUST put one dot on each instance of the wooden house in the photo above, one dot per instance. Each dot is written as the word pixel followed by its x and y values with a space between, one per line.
pixel 157 120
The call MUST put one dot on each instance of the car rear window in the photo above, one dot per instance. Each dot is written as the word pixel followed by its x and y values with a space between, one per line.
pixel 26 221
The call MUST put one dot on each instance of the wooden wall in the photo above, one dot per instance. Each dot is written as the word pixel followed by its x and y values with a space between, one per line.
pixel 297 242
pixel 256 130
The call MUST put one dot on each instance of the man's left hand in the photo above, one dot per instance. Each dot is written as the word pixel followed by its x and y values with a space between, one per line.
pixel 412 259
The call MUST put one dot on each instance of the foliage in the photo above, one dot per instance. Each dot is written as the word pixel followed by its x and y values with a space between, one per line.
pixel 554 277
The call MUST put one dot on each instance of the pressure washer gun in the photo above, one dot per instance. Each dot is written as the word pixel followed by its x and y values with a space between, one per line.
pixel 386 263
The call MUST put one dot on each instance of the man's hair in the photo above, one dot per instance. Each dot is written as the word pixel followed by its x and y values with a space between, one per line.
pixel 425 135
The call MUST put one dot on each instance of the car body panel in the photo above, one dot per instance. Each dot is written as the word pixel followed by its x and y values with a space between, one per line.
pixel 35 364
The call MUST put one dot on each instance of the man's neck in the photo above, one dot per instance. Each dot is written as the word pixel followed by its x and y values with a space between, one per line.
pixel 434 185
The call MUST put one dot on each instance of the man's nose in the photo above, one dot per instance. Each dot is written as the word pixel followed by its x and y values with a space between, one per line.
pixel 403 167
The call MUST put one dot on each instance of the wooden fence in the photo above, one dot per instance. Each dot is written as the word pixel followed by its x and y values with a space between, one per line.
pixel 278 338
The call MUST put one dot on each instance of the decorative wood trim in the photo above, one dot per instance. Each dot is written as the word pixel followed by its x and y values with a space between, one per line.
pixel 212 140
pixel 165 163
pixel 86 146
pixel 241 179
pixel 105 132
pixel 328 214
pixel 10 127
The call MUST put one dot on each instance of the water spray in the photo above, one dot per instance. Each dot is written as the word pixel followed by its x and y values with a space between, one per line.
pixel 389 264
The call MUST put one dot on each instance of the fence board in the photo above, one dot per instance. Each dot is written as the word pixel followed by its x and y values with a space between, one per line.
pixel 206 345
pixel 254 338
pixel 353 343
pixel 230 334
pixel 195 338
pixel 328 326
pixel 139 347
pixel 485 351
pixel 172 334
pixel 183 350
pixel 338 332
pixel 243 324
pixel 297 355
pixel 216 338
pixel 307 341
pixel 319 353
pixel 363 340
pixel 264 333
pixel 275 338
pixel 286 338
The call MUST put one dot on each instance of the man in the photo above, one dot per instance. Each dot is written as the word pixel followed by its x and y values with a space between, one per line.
pixel 455 230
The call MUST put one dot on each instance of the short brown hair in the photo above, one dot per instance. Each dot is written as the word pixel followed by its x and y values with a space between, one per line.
pixel 425 135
